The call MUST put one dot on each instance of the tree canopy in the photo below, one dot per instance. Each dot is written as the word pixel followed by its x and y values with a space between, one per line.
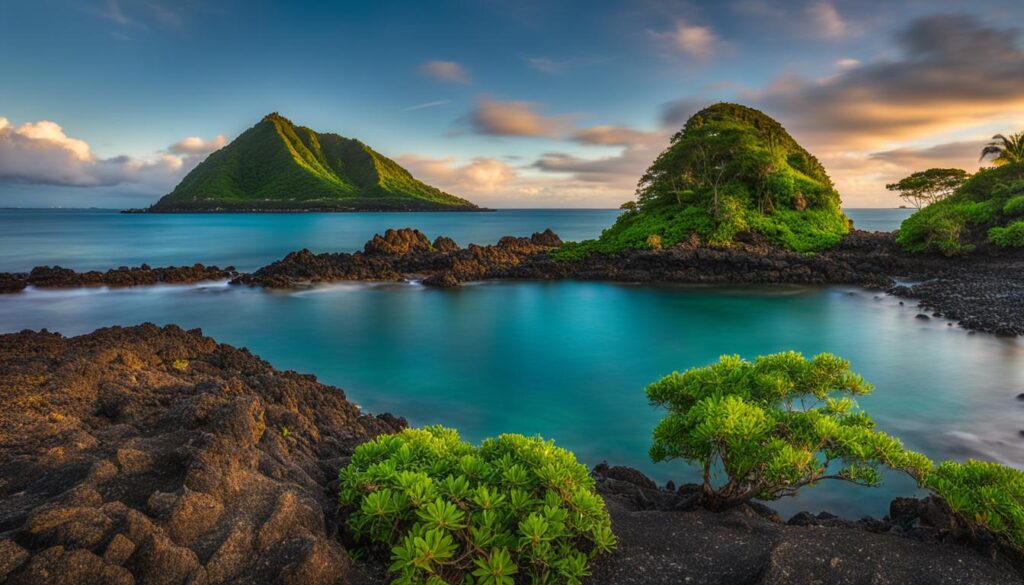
pixel 926 187
pixel 772 426
pixel 1005 150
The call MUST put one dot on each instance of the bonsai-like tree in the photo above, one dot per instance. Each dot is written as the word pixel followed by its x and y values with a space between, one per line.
pixel 926 187
pixel 1005 149
pixel 765 429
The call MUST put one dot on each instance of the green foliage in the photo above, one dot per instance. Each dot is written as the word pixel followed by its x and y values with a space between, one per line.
pixel 772 426
pixel 731 169
pixel 277 165
pixel 285 433
pixel 512 508
pixel 984 494
pixel 1014 206
pixel 180 364
pixel 982 210
pixel 1005 150
pixel 926 187
pixel 1011 236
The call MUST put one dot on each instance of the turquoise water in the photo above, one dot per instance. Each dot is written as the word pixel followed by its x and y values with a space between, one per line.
pixel 101 239
pixel 569 360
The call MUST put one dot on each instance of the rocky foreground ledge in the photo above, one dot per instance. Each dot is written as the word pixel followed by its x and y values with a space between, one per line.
pixel 158 456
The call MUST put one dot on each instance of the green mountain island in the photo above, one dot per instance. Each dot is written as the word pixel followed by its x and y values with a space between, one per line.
pixel 730 170
pixel 278 166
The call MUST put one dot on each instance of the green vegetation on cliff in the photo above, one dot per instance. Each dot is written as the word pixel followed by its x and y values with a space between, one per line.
pixel 986 210
pixel 731 169
pixel 276 165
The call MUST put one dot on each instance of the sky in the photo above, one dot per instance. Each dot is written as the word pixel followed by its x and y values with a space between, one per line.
pixel 509 103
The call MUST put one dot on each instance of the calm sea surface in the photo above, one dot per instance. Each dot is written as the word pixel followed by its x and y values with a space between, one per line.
pixel 568 360
pixel 101 239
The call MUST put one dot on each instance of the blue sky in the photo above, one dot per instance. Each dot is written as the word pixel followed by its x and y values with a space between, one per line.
pixel 511 104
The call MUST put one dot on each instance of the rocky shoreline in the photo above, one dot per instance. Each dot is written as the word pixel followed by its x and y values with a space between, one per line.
pixel 156 455
pixel 58 277
pixel 983 292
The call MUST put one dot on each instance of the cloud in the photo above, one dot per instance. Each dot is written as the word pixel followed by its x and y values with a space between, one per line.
pixel 140 14
pixel 826 20
pixel 618 173
pixel 960 154
pixel 847 63
pixel 861 176
pixel 757 8
pixel 445 71
pixel 41 153
pixel 481 175
pixel 699 42
pixel 675 113
pixel 555 67
pixel 426 105
pixel 543 64
pixel 953 72
pixel 196 145
pixel 516 118
pixel 112 10
pixel 611 136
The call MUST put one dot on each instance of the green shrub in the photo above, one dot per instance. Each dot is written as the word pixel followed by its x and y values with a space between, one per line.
pixel 455 513
pixel 772 426
pixel 1014 206
pixel 984 494
pixel 180 365
pixel 984 207
pixel 1011 236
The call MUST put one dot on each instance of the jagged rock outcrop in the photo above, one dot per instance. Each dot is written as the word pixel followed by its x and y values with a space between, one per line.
pixel 156 455
pixel 405 254
pixel 59 277
pixel 981 292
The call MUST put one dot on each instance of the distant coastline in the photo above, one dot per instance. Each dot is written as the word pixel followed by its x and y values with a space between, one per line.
pixel 306 210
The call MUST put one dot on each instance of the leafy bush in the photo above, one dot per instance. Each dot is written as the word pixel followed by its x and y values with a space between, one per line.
pixel 1014 206
pixel 984 494
pixel 1011 236
pixel 980 211
pixel 772 426
pixel 455 513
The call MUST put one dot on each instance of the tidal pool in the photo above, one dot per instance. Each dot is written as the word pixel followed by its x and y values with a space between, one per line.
pixel 570 360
